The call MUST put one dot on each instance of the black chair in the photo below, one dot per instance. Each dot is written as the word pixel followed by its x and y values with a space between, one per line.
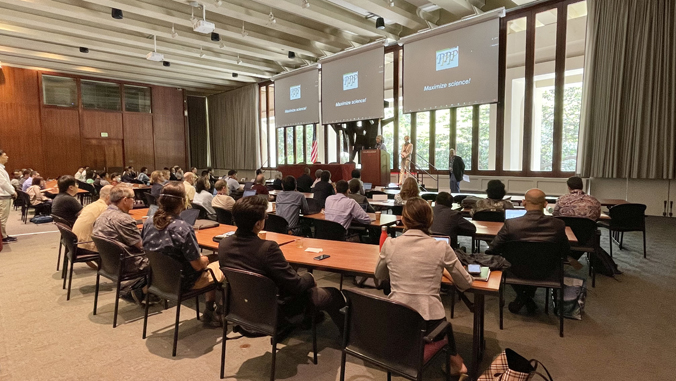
pixel 203 213
pixel 588 239
pixel 113 265
pixel 537 264
pixel 86 198
pixel 276 224
pixel 429 196
pixel 25 205
pixel 190 214
pixel 313 206
pixel 224 216
pixel 329 230
pixel 252 303
pixel 458 199
pixel 74 254
pixel 400 346
pixel 625 218
pixel 397 210
pixel 150 199
pixel 57 219
pixel 165 279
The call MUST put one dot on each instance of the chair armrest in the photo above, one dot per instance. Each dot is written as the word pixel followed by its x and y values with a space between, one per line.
pixel 213 276
pixel 344 310
pixel 441 328
pixel 79 243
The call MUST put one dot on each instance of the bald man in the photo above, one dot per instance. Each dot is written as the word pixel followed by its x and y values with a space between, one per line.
pixel 259 185
pixel 534 226
pixel 189 184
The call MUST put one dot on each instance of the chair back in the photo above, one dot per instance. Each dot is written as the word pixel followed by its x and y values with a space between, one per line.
pixel 25 201
pixel 111 254
pixel 248 185
pixel 488 215
pixel 429 196
pixel 203 214
pixel 329 230
pixel 314 206
pixel 276 224
pixel 458 199
pixel 397 210
pixel 224 216
pixel 251 300
pixel 396 342
pixel 60 220
pixel 190 215
pixel 627 216
pixel 68 238
pixel 166 275
pixel 150 199
pixel 88 187
pixel 136 181
pixel 534 260
pixel 583 228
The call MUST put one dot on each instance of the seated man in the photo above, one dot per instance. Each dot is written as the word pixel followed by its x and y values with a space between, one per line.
pixel 277 183
pixel 576 203
pixel 189 184
pixel 65 205
pixel 304 182
pixel 222 199
pixel 245 251
pixel 356 175
pixel 259 185
pixel 233 184
pixel 84 225
pixel 534 226
pixel 449 222
pixel 29 181
pixel 355 186
pixel 117 224
pixel 290 203
pixel 341 209
pixel 323 189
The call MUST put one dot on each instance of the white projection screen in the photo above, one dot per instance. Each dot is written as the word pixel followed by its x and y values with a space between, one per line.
pixel 454 65
pixel 352 85
pixel 297 97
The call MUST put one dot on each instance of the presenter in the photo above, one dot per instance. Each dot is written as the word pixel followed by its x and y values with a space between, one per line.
pixel 380 144
pixel 456 170
pixel 406 151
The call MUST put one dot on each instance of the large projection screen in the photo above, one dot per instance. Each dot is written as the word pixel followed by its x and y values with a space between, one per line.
pixel 458 67
pixel 297 97
pixel 352 85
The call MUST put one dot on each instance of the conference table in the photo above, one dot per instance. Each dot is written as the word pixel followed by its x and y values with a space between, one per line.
pixel 52 187
pixel 385 219
pixel 610 202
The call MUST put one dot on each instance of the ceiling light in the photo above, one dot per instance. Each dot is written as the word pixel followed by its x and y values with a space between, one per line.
pixel 166 63
pixel 173 32
pixel 84 50
pixel 391 3
pixel 291 54
pixel 239 61
pixel 272 18
pixel 116 14
pixel 221 45
pixel 201 53
pixel 235 75
pixel 306 4
pixel 219 3
pixel 215 37
pixel 380 23
pixel 244 32
pixel 154 55
pixel 202 26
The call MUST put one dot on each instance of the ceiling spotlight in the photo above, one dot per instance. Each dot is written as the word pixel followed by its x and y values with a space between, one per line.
pixel 219 3
pixel 116 14
pixel 391 3
pixel 202 53
pixel 84 50
pixel 201 26
pixel 221 45
pixel 215 37
pixel 380 23
pixel 244 32
pixel 173 32
pixel 166 63
pixel 306 4
pixel 239 61
pixel 154 55
pixel 272 18
pixel 235 75
pixel 292 54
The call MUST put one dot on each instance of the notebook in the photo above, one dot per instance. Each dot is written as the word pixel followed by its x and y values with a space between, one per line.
pixel 219 237
pixel 485 274
pixel 514 213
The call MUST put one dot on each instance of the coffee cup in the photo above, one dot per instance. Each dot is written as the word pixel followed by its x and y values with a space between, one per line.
pixel 378 215
pixel 262 234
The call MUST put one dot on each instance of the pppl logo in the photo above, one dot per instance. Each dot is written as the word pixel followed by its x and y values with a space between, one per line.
pixel 294 92
pixel 447 58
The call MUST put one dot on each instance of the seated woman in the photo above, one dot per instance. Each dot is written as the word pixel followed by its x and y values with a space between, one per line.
pixel 168 234
pixel 408 190
pixel 156 183
pixel 494 203
pixel 203 196
pixel 41 203
pixel 143 176
pixel 414 263
pixel 450 222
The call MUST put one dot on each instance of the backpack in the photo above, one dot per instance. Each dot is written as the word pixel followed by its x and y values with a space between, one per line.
pixel 604 264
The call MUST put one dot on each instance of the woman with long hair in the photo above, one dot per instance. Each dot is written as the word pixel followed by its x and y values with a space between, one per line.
pixel 414 264
pixel 408 190
pixel 156 183
pixel 41 203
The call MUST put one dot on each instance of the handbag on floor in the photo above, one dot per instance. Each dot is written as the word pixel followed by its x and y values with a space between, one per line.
pixel 510 366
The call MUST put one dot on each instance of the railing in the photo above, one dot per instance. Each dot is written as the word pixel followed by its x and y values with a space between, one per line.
pixel 420 172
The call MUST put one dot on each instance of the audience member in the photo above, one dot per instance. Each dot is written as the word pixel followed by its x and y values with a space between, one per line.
pixel 233 184
pixel 7 193
pixel 323 188
pixel 65 205
pixel 304 182
pixel 576 203
pixel 414 263
pixel 408 190
pixel 115 178
pixel 41 203
pixel 277 183
pixel 128 175
pixel 16 176
pixel 80 174
pixel 259 185
pixel 203 196
pixel 355 185
pixel 169 174
pixel 534 226
pixel 341 209
pixel 84 225
pixel 222 199
pixel 494 202
pixel 356 175
pixel 103 180
pixel 168 234
pixel 450 222
pixel 290 203
pixel 90 176
pixel 188 184
pixel 246 251
pixel 25 175
pixel 143 176
pixel 29 181
pixel 166 175
pixel 156 183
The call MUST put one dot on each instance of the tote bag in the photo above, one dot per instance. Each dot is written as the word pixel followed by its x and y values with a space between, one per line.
pixel 510 366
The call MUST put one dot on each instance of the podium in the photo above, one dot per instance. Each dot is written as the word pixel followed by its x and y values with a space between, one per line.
pixel 375 167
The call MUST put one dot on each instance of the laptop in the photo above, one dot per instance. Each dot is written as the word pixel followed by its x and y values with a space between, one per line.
pixel 443 238
pixel 150 214
pixel 248 185
pixel 368 186
pixel 248 193
pixel 514 213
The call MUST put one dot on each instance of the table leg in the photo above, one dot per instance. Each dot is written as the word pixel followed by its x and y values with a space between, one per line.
pixel 477 341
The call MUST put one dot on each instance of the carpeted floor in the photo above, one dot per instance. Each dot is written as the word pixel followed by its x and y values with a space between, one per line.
pixel 627 331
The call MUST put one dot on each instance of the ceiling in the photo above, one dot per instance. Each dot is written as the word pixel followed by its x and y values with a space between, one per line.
pixel 256 35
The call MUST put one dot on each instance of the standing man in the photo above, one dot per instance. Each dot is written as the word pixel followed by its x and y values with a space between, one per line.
pixel 456 169
pixel 7 192
pixel 406 151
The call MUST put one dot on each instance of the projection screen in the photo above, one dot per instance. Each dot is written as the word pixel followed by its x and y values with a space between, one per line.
pixel 453 65
pixel 352 85
pixel 297 97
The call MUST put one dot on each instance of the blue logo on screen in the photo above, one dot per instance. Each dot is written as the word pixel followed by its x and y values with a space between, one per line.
pixel 350 81
pixel 447 58
pixel 294 92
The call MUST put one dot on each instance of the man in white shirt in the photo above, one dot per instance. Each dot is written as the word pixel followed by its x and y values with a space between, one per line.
pixel 233 184
pixel 342 209
pixel 7 193
pixel 188 183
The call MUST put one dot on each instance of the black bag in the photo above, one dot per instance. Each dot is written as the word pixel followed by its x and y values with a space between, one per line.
pixel 41 219
pixel 604 264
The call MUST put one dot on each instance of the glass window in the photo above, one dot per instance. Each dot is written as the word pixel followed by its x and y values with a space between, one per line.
pixel 280 146
pixel 515 92
pixel 300 154
pixel 59 91
pixel 100 95
pixel 487 119
pixel 404 130
pixel 442 135
pixel 422 139
pixel 309 130
pixel 271 126
pixel 332 144
pixel 289 145
pixel 387 130
pixel 136 98
pixel 463 145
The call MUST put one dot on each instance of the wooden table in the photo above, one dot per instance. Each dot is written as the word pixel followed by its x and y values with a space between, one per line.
pixel 487 230
pixel 205 237
pixel 52 187
pixel 612 202
pixel 385 219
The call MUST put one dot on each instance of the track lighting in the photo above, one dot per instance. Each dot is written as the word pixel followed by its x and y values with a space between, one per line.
pixel 380 23
pixel 173 32
pixel 239 61
pixel 219 3
pixel 391 3
pixel 244 32
pixel 221 45
pixel 272 18
pixel 201 53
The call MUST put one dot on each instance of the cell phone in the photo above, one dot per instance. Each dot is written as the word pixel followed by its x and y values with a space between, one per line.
pixel 474 269
pixel 321 257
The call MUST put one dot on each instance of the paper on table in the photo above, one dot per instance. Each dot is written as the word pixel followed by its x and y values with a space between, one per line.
pixel 314 250
pixel 465 178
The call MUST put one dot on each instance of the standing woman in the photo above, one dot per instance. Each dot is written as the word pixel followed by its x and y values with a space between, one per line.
pixel 406 151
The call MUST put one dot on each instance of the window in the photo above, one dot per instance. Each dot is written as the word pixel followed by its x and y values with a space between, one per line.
pixel 271 126
pixel 263 95
pixel 463 142
pixel 515 93
pixel 281 147
pixel 422 136
pixel 100 95
pixel 59 91
pixel 300 152
pixel 309 131
pixel 136 98
pixel 442 138
pixel 289 145
pixel 487 138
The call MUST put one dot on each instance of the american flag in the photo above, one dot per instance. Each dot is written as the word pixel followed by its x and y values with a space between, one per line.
pixel 313 153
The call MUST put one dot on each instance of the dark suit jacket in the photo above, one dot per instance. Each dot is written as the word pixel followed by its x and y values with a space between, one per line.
pixel 321 191
pixel 458 168
pixel 362 200
pixel 450 222
pixel 277 184
pixel 304 183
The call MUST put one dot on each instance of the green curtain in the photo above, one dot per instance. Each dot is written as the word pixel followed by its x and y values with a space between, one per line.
pixel 629 115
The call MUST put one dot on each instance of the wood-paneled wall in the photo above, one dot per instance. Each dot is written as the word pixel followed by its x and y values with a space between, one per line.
pixel 57 140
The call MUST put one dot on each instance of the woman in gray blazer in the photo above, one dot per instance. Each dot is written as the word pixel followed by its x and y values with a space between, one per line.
pixel 414 263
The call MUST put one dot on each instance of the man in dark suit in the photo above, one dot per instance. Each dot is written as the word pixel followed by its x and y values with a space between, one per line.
pixel 534 226
pixel 450 222
pixel 246 251
pixel 456 169
pixel 323 188
pixel 304 182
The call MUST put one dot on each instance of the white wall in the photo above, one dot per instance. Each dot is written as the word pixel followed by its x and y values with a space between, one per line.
pixel 652 193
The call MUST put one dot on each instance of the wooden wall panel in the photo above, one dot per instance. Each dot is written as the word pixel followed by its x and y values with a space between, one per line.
pixel 102 154
pixel 96 122
pixel 169 127
pixel 20 119
pixel 61 136
pixel 138 140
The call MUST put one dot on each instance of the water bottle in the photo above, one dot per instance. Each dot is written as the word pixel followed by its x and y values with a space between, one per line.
pixel 383 236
